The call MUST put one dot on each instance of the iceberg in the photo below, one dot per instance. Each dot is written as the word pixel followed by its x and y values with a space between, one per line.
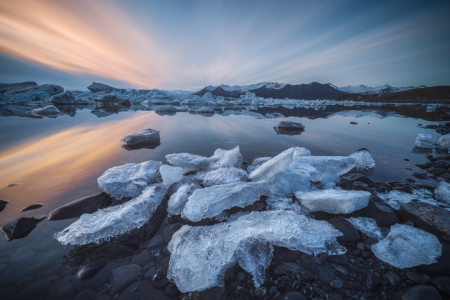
pixel 367 225
pixel 143 136
pixel 63 98
pixel 424 140
pixel 212 201
pixel 113 221
pixel 224 176
pixel 170 174
pixel 200 255
pixel 178 200
pixel 407 247
pixel 128 180
pixel 334 201
pixel 273 166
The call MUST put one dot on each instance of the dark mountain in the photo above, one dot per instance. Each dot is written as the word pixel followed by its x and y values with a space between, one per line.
pixel 219 91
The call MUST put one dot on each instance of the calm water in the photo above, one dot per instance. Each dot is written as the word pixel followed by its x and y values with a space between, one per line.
pixel 55 161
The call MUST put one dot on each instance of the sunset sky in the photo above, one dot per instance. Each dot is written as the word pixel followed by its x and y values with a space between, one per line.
pixel 191 44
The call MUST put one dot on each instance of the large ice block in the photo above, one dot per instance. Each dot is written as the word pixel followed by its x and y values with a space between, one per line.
pixel 225 176
pixel 273 166
pixel 334 201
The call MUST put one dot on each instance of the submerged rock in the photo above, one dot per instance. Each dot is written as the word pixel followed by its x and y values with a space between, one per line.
pixel 20 228
pixel 85 205
pixel 141 137
pixel 334 201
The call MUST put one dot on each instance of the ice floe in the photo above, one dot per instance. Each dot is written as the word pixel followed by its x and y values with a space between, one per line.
pixel 273 166
pixel 334 201
pixel 144 136
pixel 170 174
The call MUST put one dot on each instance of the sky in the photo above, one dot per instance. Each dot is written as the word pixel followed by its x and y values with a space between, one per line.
pixel 170 44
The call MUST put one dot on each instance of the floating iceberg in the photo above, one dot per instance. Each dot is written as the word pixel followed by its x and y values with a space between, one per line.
pixel 170 174
pixel 113 221
pixel 128 180
pixel 143 136
pixel 407 247
pixel 424 140
pixel 367 225
pixel 200 255
pixel 178 200
pixel 224 176
pixel 334 201
pixel 442 192
pixel 211 201
pixel 273 166
pixel 63 98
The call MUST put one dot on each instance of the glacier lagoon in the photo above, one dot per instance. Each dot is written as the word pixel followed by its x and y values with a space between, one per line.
pixel 53 161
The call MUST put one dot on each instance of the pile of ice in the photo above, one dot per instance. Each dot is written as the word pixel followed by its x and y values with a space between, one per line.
pixel 200 255
pixel 144 136
pixel 424 140
pixel 407 247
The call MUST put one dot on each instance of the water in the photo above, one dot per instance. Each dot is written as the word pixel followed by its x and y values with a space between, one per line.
pixel 55 161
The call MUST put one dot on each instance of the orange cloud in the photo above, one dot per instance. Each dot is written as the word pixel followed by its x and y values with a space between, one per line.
pixel 82 36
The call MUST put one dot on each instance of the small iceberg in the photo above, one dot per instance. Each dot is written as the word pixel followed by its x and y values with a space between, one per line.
pixel 141 137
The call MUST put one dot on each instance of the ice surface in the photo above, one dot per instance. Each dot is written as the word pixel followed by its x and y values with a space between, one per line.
pixel 334 201
pixel 200 255
pixel 113 221
pixel 424 140
pixel 280 203
pixel 315 175
pixel 224 176
pixel 287 182
pixel 363 160
pixel 257 162
pixel 143 136
pixel 178 200
pixel 277 164
pixel 63 98
pixel 367 225
pixel 444 141
pixel 170 174
pixel 227 159
pixel 128 180
pixel 442 192
pixel 397 198
pixel 300 151
pixel 47 110
pixel 211 201
pixel 407 247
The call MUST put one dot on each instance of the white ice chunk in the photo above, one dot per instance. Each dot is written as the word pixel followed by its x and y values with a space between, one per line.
pixel 442 192
pixel 314 174
pixel 257 162
pixel 300 151
pixel 200 255
pixel 363 160
pixel 367 225
pixel 178 200
pixel 444 141
pixel 424 140
pixel 113 221
pixel 170 174
pixel 277 164
pixel 334 201
pixel 227 159
pixel 128 180
pixel 224 176
pixel 211 201
pixel 407 247
pixel 395 199
pixel 280 203
pixel 287 182
pixel 143 136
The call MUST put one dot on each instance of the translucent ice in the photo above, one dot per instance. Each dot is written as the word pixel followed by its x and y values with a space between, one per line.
pixel 200 255
pixel 113 221
pixel 334 201
pixel 143 136
pixel 128 180
pixel 257 162
pixel 271 167
pixel 407 247
pixel 300 151
pixel 170 174
pixel 211 201
pixel 287 182
pixel 424 140
pixel 280 203
pixel 226 159
pixel 224 176
pixel 367 225
pixel 178 200
pixel 442 192
pixel 397 198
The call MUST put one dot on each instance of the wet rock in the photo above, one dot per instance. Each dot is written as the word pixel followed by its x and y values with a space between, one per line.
pixel 156 242
pixel 416 278
pixel 261 292
pixel 34 289
pixel 61 289
pixel 20 228
pixel 32 206
pixel 442 284
pixel 86 295
pixel 217 292
pixel 318 267
pixel 289 128
pixel 337 259
pixel 169 231
pixel 150 273
pixel 148 266
pixel 273 290
pixel 320 292
pixel 22 254
pixel 337 284
pixel 353 123
pixel 142 258
pixel 142 290
pixel 288 269
pixel 3 204
pixel 418 292
pixel 433 219
pixel 350 179
pixel 351 235
pixel 291 296
pixel 393 279
pixel 373 281
pixel 85 205
pixel 161 283
pixel 124 276
pixel 170 289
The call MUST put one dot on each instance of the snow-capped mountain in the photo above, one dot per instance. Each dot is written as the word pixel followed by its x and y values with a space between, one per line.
pixel 244 88
pixel 378 90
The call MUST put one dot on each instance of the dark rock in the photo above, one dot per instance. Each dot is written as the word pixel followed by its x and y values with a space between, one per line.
pixel 60 289
pixel 142 290
pixel 170 289
pixel 442 284
pixel 261 292
pixel 442 266
pixel 337 259
pixel 3 204
pixel 320 292
pixel 359 186
pixel 86 295
pixel 291 296
pixel 353 123
pixel 32 206
pixel 150 273
pixel 433 219
pixel 20 228
pixel 85 205
pixel 156 242
pixel 350 234
pixel 142 258
pixel 337 284
pixel 289 128
pixel 349 179
pixel 418 292
pixel 437 171
pixel 373 281
pixel 161 283
pixel 169 230
pixel 318 267
pixel 124 276
pixel 420 175
pixel 34 289
pixel 416 278
pixel 214 293
pixel 393 279
pixel 292 256
pixel 288 269
pixel 273 290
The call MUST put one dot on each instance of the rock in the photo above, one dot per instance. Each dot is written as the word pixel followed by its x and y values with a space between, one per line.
pixel 289 128
pixel 3 204
pixel 149 274
pixel 416 278
pixel 353 123
pixel 320 292
pixel 170 289
pixel 338 259
pixel 85 205
pixel 20 228
pixel 34 289
pixel 337 284
pixel 373 281
pixel 161 283
pixel 433 219
pixel 148 266
pixel 288 269
pixel 442 266
pixel 142 290
pixel 32 206
pixel 169 230
pixel 379 211
pixel 60 289
pixel 63 98
pixel 291 296
pixel 142 258
pixel 124 276
pixel 273 290
pixel 22 254
pixel 350 179
pixel 318 267
pixel 393 279
pixel 156 242
pixel 351 235
pixel 215 293
pixel 144 136
pixel 261 292
pixel 418 292
pixel 86 295
pixel 442 284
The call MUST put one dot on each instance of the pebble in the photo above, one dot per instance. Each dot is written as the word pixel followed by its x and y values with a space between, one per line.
pixel 337 284
pixel 261 292
pixel 393 279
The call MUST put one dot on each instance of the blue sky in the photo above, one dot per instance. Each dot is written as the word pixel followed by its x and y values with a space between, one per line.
pixel 192 44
